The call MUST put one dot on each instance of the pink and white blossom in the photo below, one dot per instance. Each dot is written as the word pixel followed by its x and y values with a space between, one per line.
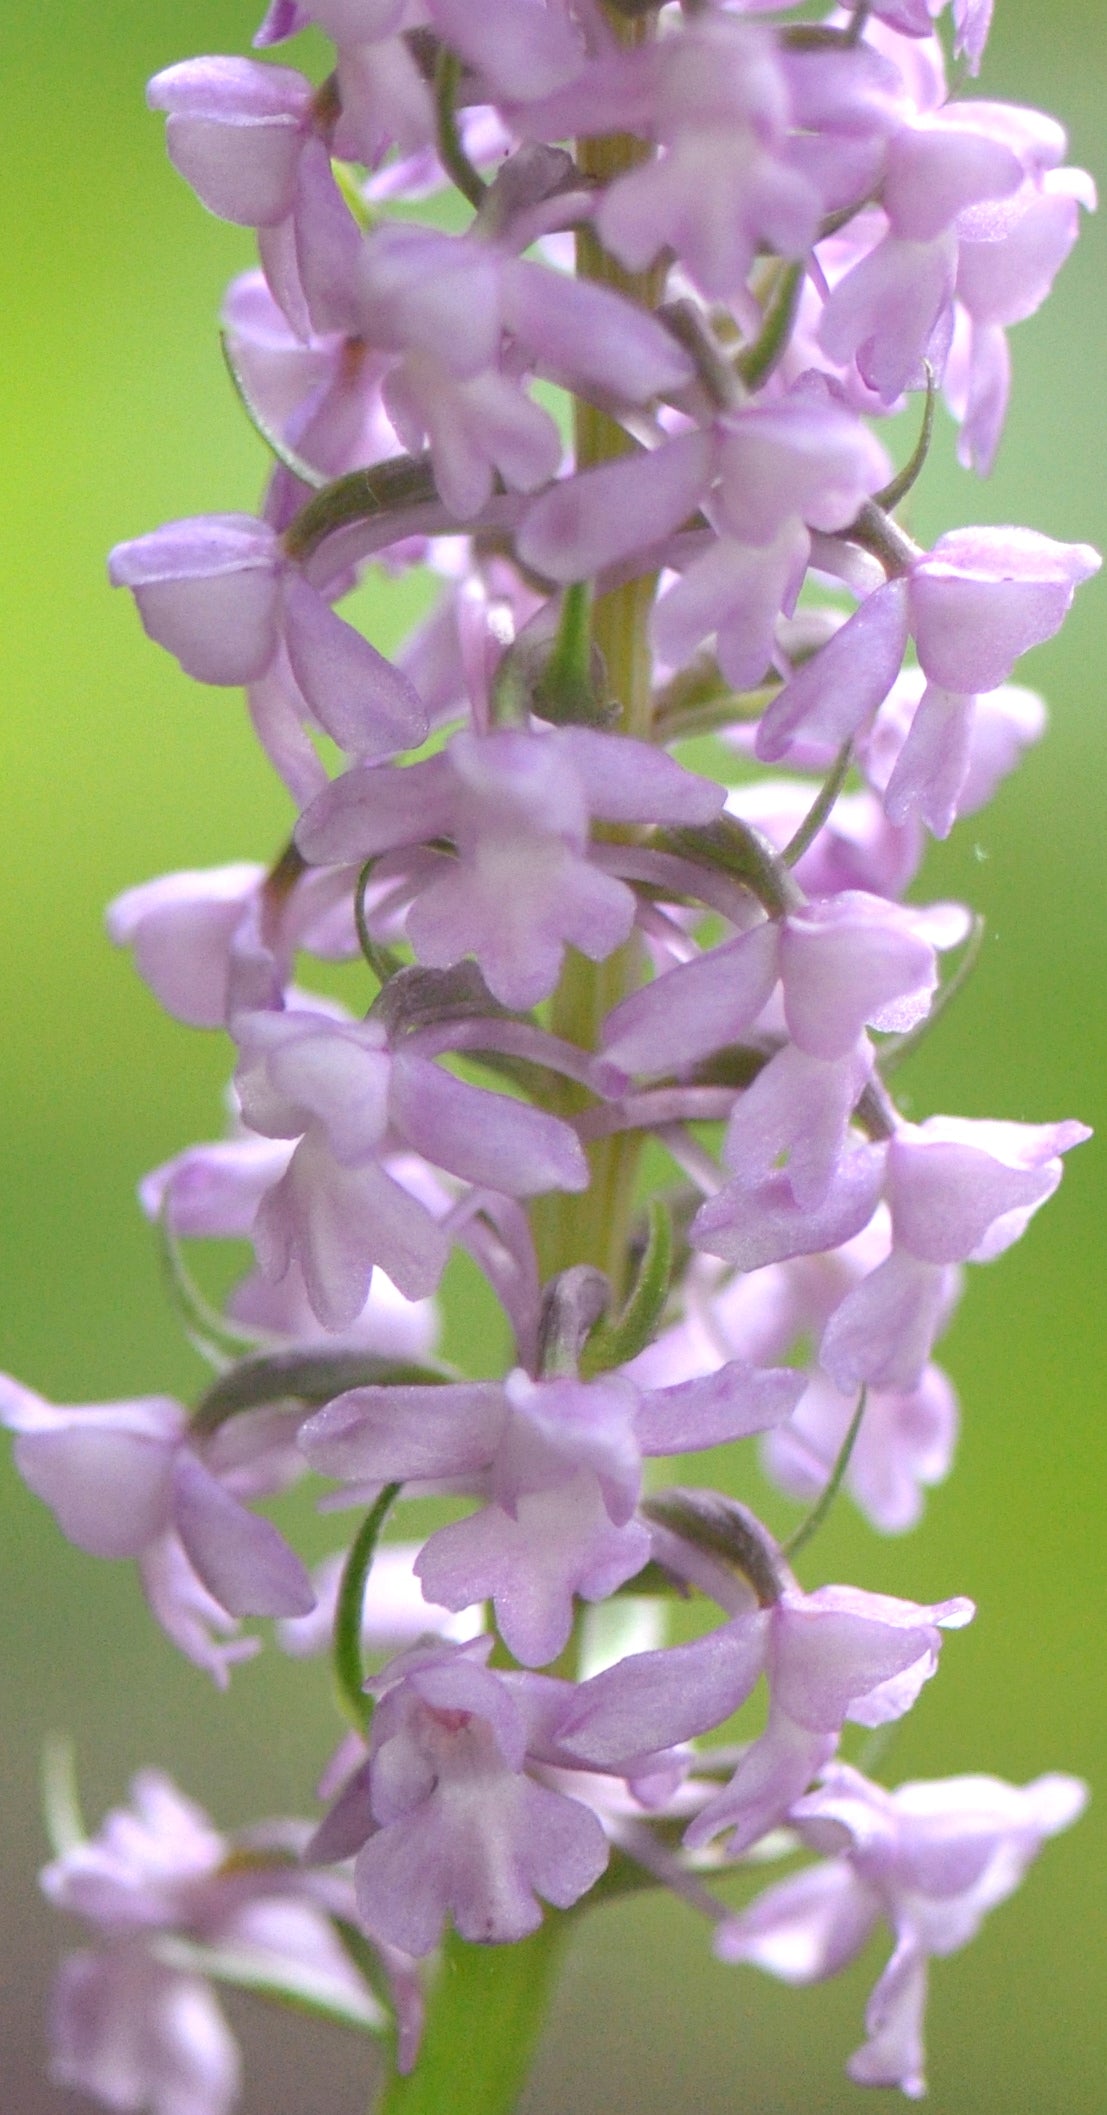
pixel 732 241
pixel 559 1464
pixel 930 1860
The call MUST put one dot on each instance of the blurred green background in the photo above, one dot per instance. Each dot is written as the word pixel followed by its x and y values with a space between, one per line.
pixel 116 416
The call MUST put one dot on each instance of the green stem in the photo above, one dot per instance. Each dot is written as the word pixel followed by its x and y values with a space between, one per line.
pixel 483 2021
pixel 698 699
pixel 381 960
pixel 349 1670
pixel 616 1342
pixel 820 808
pixel 901 485
pixel 451 153
pixel 594 1226
pixel 208 1333
pixel 619 619
pixel 757 360
pixel 822 1506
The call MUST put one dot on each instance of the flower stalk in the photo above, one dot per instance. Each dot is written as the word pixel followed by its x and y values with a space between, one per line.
pixel 484 2018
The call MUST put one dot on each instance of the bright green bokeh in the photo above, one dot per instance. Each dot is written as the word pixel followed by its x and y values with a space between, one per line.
pixel 117 417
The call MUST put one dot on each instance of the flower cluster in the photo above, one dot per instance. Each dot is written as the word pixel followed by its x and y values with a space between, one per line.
pixel 618 391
